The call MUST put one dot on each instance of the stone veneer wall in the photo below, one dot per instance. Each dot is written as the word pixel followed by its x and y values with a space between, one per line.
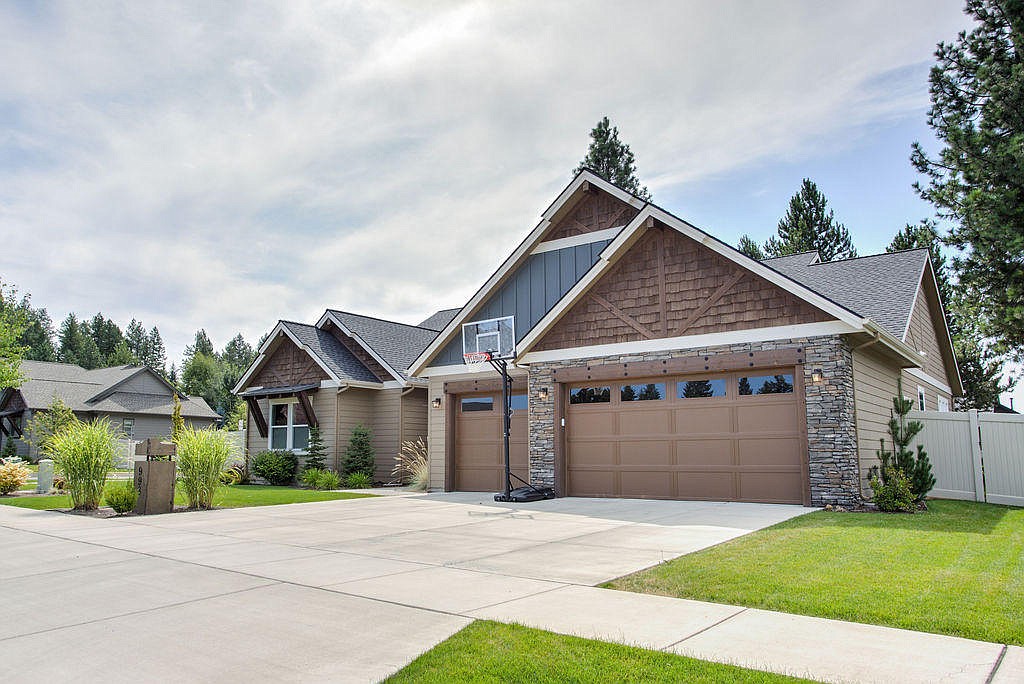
pixel 831 428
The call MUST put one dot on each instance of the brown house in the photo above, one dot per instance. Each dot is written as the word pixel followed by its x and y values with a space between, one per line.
pixel 653 360
pixel 344 371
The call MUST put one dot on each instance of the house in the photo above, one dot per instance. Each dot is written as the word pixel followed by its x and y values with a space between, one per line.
pixel 345 370
pixel 655 361
pixel 136 399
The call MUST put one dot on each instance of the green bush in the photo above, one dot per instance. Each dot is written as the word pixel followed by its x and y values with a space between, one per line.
pixel 10 450
pixel 12 475
pixel 121 496
pixel 319 478
pixel 894 493
pixel 276 467
pixel 316 452
pixel 202 457
pixel 359 456
pixel 84 454
pixel 358 481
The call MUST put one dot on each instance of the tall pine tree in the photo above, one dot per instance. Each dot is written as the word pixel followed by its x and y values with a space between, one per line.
pixel 137 339
pixel 809 225
pixel 612 159
pixel 750 248
pixel 156 354
pixel 76 344
pixel 107 335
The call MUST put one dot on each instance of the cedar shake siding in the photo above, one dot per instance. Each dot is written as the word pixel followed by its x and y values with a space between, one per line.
pixel 595 211
pixel 668 286
pixel 364 357
pixel 288 366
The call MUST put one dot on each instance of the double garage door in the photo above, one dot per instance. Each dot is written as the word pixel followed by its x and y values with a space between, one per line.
pixel 724 437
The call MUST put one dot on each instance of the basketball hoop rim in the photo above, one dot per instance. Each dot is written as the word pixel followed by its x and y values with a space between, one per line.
pixel 476 357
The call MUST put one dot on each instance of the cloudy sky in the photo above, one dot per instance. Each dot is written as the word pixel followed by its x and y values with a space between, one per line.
pixel 223 165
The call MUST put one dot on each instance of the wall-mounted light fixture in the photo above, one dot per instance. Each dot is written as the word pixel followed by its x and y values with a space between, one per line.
pixel 817 375
pixel 435 402
pixel 543 393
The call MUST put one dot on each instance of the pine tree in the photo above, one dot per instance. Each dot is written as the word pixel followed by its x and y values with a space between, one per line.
pixel 122 356
pixel 156 354
pixel 107 335
pixel 612 159
pixel 696 389
pixel 38 333
pixel 916 467
pixel 77 345
pixel 809 225
pixel 750 248
pixel 137 339
pixel 202 345
pixel 316 452
pixel 359 456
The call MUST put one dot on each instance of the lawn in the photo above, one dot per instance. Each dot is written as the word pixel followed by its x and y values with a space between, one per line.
pixel 957 569
pixel 494 652
pixel 233 496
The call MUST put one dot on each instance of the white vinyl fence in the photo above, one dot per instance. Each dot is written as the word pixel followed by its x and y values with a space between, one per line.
pixel 975 456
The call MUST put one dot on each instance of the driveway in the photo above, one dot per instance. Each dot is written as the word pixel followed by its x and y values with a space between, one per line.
pixel 342 590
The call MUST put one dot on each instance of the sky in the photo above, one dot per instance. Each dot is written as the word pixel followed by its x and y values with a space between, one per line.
pixel 224 165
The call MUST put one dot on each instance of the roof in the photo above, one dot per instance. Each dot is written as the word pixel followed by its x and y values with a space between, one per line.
pixel 398 344
pixel 330 352
pixel 95 391
pixel 882 287
pixel 439 319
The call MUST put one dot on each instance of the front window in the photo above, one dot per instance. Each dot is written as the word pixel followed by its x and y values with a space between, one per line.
pixel 289 429
pixel 128 426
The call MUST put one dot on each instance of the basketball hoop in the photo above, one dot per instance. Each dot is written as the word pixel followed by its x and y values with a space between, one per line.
pixel 476 361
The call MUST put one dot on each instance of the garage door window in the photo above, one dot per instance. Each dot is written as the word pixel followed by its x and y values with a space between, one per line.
pixel 767 384
pixel 472 404
pixel 700 389
pixel 519 402
pixel 590 395
pixel 648 392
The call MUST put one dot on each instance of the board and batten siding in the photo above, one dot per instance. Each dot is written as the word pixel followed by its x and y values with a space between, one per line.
pixel 874 386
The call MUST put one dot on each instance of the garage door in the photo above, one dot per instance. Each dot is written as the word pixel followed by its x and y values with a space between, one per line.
pixel 479 452
pixel 725 437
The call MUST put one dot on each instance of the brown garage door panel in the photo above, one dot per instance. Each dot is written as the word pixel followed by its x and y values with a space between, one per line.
pixel 479 450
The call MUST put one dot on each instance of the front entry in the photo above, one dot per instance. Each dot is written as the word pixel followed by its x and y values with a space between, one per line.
pixel 479 452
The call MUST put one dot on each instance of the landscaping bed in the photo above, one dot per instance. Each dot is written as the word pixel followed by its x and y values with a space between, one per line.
pixel 956 569
pixel 494 652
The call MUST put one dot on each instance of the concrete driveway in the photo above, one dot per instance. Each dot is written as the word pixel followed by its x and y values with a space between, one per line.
pixel 342 590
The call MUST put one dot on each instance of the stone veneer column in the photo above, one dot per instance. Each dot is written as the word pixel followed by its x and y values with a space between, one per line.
pixel 542 427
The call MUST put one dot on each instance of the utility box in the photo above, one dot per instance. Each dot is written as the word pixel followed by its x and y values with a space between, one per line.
pixel 154 477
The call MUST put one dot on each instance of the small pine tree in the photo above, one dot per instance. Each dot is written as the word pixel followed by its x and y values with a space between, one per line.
pixel 177 423
pixel 316 451
pixel 916 467
pixel 359 456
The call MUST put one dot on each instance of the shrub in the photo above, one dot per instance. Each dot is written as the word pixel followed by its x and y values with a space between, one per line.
pixel 359 456
pixel 319 478
pixel 315 451
pixel 121 496
pixel 202 457
pixel 10 450
pixel 43 425
pixel 411 465
pixel 12 475
pixel 276 467
pixel 84 454
pixel 894 494
pixel 916 468
pixel 231 476
pixel 358 481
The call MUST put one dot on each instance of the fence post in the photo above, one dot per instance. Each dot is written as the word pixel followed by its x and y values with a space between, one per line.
pixel 979 473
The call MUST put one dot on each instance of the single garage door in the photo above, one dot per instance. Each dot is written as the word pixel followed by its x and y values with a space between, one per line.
pixel 479 451
pixel 723 437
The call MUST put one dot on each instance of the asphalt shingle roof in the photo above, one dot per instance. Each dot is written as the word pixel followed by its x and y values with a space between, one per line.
pixel 331 352
pixel 439 319
pixel 397 343
pixel 881 287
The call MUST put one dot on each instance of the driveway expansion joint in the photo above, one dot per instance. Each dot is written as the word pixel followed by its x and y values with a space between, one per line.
pixel 705 629
pixel 995 666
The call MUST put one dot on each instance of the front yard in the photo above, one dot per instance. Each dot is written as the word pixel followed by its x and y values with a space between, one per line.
pixel 230 496
pixel 957 569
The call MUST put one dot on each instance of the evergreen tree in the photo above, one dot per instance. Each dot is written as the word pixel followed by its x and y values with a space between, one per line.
pixel 12 325
pixel 201 376
pixel 359 456
pixel 137 339
pixel 238 353
pixel 38 333
pixel 202 345
pixel 316 451
pixel 750 248
pixel 916 467
pixel 76 344
pixel 106 334
pixel 809 225
pixel 156 354
pixel 650 392
pixel 627 393
pixel 122 356
pixel 612 159
pixel 976 180
pixel 745 388
pixel 696 389
pixel 925 235
pixel 172 375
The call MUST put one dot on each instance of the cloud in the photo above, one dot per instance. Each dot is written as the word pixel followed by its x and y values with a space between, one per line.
pixel 222 166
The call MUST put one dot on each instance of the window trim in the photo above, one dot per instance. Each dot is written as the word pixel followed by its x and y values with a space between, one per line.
pixel 289 427
pixel 124 425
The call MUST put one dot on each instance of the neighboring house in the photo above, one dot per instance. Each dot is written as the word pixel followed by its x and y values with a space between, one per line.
pixel 656 361
pixel 136 400
pixel 344 371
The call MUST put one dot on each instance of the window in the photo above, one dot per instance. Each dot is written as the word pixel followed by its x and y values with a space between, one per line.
pixel 590 395
pixel 519 402
pixel 943 404
pixel 920 398
pixel 472 404
pixel 128 426
pixel 651 391
pixel 767 384
pixel 289 430
pixel 698 389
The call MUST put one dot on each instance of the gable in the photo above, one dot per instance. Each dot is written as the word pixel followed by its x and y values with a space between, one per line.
pixel 287 366
pixel 669 285
pixel 595 211
pixel 923 331
pixel 144 383
pixel 361 354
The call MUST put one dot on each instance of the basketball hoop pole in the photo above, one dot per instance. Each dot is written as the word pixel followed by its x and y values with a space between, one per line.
pixel 501 366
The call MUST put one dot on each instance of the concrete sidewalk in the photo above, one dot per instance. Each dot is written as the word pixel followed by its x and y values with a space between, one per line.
pixel 353 590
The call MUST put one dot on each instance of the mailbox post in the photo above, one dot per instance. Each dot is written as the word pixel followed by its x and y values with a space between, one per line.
pixel 154 477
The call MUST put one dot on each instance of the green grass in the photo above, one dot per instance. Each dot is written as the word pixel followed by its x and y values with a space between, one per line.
pixel 233 496
pixel 957 569
pixel 494 652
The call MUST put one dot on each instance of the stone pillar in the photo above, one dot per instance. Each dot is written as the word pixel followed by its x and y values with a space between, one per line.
pixel 44 478
pixel 542 427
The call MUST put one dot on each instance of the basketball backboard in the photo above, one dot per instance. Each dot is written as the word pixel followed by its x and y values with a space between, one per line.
pixel 496 336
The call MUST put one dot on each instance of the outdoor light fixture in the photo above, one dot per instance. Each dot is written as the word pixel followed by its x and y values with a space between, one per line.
pixel 817 375
pixel 436 402
pixel 543 393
